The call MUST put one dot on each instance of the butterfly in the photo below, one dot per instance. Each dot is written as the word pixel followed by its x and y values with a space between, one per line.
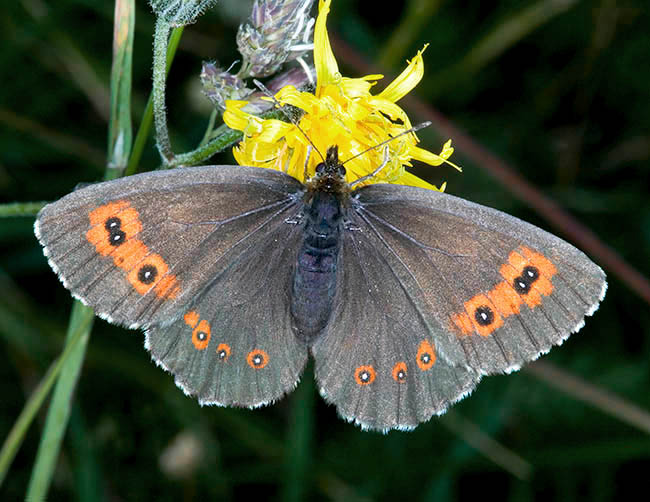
pixel 404 297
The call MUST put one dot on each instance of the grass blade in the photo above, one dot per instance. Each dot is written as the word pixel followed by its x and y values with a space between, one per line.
pixel 17 434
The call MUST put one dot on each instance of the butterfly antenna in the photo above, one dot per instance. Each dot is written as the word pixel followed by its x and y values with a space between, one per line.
pixel 409 131
pixel 281 107
pixel 374 173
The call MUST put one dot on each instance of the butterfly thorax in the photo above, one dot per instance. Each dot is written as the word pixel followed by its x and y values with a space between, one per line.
pixel 314 281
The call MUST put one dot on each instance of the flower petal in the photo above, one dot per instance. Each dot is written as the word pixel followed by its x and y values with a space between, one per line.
pixel 327 70
pixel 236 118
pixel 406 81
pixel 358 87
pixel 412 180
pixel 273 130
pixel 389 108
pixel 431 158
pixel 342 112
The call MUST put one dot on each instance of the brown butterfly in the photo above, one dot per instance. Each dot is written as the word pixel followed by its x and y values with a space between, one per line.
pixel 404 297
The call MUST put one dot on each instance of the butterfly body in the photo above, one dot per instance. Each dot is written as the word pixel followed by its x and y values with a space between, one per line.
pixel 314 283
pixel 404 297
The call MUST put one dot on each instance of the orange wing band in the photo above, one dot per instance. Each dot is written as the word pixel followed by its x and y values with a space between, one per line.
pixel 527 278
pixel 113 232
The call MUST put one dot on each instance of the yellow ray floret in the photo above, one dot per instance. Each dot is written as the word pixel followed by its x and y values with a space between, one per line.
pixel 342 112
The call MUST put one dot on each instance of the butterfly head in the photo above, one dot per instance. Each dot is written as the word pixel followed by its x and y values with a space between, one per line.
pixel 330 174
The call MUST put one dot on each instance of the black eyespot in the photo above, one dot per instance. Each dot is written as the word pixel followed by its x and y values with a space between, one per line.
pixel 521 284
pixel 147 274
pixel 364 375
pixel 115 234
pixel 113 224
pixel 530 273
pixel 484 315
pixel 116 237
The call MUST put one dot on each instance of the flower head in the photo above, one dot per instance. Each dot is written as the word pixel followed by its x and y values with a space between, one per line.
pixel 342 112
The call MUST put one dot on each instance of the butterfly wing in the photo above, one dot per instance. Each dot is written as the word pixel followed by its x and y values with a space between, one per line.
pixel 234 344
pixel 486 291
pixel 202 258
pixel 502 290
pixel 139 249
pixel 378 360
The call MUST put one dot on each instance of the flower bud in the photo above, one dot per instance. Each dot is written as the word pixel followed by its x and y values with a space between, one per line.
pixel 219 85
pixel 278 31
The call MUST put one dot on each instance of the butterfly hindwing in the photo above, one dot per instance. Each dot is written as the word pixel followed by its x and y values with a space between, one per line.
pixel 502 290
pixel 234 344
pixel 377 360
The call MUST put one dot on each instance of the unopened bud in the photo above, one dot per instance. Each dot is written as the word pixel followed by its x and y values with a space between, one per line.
pixel 278 31
pixel 219 85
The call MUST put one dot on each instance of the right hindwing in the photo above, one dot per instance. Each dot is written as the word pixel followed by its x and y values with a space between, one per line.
pixel 378 360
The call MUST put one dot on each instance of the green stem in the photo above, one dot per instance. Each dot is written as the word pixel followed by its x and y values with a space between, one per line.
pixel 207 150
pixel 147 117
pixel 119 144
pixel 35 401
pixel 225 138
pixel 59 410
pixel 298 443
pixel 20 209
pixel 161 36
pixel 209 129
pixel 120 131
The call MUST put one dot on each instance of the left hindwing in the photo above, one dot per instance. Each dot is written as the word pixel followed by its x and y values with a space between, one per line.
pixel 234 344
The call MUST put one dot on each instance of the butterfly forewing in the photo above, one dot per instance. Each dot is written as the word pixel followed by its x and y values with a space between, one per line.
pixel 501 290
pixel 139 249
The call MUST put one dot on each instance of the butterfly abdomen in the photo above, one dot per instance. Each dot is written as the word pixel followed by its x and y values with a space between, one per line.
pixel 314 281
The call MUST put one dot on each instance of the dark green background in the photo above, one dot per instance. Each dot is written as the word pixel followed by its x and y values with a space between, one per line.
pixel 567 104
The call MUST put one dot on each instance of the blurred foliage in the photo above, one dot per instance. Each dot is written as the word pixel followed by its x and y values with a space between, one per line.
pixel 557 88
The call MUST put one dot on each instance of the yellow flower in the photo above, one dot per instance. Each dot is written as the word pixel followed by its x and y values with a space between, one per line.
pixel 342 112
